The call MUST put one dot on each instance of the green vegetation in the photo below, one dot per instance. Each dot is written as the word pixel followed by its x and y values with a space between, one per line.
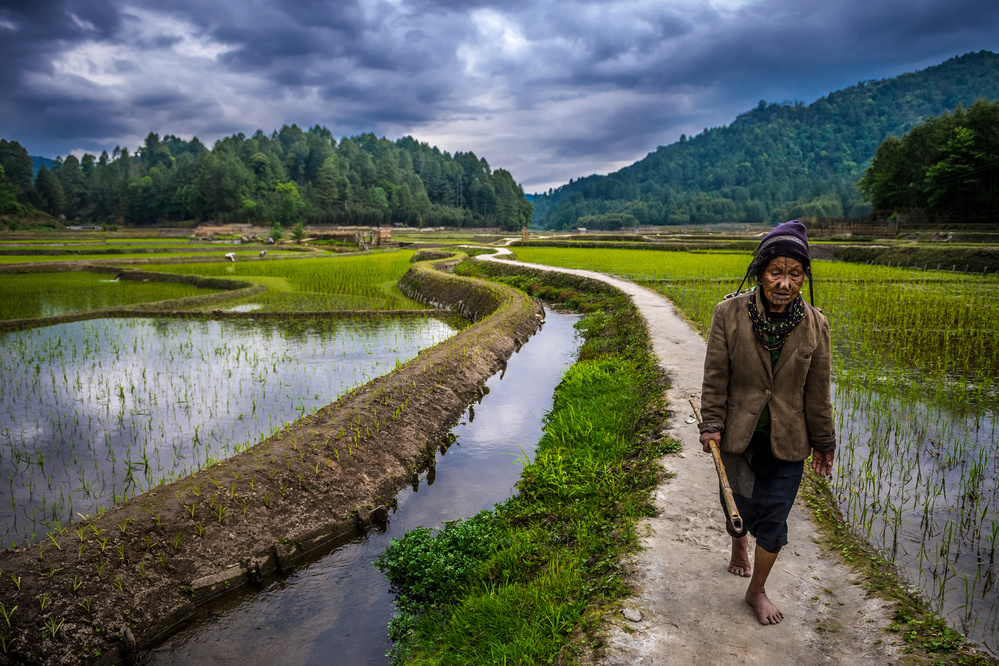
pixel 110 258
pixel 216 519
pixel 364 282
pixel 188 393
pixel 284 178
pixel 916 406
pixel 774 162
pixel 511 586
pixel 947 166
pixel 51 294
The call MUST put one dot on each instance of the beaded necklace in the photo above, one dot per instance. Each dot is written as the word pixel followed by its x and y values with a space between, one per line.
pixel 773 333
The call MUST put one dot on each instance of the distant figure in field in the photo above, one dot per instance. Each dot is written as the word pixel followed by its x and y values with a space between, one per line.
pixel 231 256
pixel 270 241
pixel 262 253
pixel 766 400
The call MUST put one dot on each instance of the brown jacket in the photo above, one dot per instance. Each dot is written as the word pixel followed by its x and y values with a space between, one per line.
pixel 738 383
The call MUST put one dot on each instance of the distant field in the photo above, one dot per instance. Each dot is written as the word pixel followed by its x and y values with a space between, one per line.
pixel 222 251
pixel 51 294
pixel 361 282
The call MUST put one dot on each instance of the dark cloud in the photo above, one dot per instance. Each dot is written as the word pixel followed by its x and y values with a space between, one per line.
pixel 549 90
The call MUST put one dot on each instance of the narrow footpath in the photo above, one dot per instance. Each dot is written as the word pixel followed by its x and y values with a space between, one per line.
pixel 691 609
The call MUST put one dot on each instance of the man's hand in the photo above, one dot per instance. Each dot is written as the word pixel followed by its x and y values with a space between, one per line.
pixel 822 462
pixel 707 437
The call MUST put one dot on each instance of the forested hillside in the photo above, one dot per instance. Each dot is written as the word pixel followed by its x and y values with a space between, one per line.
pixel 288 176
pixel 775 162
pixel 947 166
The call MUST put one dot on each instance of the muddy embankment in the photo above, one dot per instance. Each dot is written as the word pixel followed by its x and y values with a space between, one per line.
pixel 108 585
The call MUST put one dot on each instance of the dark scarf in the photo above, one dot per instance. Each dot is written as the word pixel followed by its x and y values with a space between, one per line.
pixel 772 333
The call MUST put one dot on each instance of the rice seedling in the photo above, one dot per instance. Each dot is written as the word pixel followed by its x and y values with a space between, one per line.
pixel 332 283
pixel 93 412
pixel 915 400
pixel 51 294
pixel 137 254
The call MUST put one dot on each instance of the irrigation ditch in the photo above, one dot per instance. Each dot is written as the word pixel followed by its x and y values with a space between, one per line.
pixel 105 586
pixel 337 606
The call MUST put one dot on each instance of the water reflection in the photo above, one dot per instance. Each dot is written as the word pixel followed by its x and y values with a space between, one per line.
pixel 336 610
pixel 94 410
pixel 921 483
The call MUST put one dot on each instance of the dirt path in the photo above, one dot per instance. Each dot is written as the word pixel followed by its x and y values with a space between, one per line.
pixel 692 609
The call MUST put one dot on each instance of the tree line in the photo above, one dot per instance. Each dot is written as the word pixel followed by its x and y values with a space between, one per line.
pixel 947 166
pixel 287 177
pixel 774 162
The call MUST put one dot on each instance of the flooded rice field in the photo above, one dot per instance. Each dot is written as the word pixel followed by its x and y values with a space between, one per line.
pixel 336 609
pixel 920 481
pixel 92 412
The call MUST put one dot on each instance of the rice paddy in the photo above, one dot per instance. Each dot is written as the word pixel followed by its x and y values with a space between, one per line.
pixel 164 252
pixel 916 364
pixel 51 294
pixel 94 412
pixel 367 282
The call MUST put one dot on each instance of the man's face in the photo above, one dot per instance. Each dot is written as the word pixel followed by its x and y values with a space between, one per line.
pixel 781 282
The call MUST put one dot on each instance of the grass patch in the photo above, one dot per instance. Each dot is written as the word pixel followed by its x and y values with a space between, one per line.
pixel 514 585
pixel 130 253
pixel 364 282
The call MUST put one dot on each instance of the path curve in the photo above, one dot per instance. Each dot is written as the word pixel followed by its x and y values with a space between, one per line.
pixel 692 609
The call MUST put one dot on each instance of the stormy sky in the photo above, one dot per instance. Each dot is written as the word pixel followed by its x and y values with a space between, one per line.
pixel 547 89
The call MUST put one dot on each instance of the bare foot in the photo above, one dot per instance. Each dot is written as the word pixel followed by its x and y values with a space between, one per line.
pixel 739 565
pixel 766 612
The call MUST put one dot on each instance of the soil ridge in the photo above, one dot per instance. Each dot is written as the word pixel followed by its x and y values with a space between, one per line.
pixel 109 585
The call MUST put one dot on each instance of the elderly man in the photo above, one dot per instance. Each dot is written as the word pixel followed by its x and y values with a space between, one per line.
pixel 766 400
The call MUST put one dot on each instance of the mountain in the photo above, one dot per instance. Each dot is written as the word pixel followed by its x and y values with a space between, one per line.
pixel 38 162
pixel 774 162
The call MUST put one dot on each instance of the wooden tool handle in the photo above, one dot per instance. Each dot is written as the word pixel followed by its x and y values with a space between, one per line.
pixel 733 512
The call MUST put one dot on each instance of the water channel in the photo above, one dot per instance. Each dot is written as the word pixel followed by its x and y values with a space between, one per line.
pixel 336 608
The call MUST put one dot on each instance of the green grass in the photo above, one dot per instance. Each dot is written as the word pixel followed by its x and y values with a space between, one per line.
pixel 553 550
pixel 57 241
pixel 112 257
pixel 50 294
pixel 362 282
pixel 916 368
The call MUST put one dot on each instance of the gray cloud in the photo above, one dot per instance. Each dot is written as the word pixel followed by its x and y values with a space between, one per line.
pixel 549 90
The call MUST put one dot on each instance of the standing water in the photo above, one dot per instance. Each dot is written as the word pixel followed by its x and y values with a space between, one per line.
pixel 94 411
pixel 336 609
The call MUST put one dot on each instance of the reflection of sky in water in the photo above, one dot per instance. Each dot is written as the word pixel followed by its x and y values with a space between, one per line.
pixel 921 482
pixel 341 604
pixel 90 410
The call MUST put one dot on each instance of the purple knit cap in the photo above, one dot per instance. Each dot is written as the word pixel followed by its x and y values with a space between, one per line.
pixel 789 239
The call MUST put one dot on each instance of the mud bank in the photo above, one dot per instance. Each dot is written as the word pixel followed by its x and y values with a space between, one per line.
pixel 108 585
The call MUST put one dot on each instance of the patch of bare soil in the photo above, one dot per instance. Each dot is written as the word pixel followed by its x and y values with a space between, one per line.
pixel 109 585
